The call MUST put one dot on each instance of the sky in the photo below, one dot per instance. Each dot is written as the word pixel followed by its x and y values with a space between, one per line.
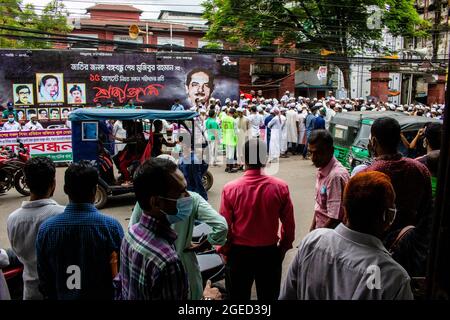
pixel 151 8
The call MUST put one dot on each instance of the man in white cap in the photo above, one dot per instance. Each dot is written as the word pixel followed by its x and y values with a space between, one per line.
pixel 242 100
pixel 330 113
pixel 256 121
pixel 242 130
pixel 229 139
pixel 285 98
pixel 223 113
pixel 292 127
pixel 275 125
pixel 284 145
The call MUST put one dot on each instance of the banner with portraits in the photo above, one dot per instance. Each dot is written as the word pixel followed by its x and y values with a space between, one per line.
pixel 48 82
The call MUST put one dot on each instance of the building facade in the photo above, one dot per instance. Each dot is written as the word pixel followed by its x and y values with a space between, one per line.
pixel 112 22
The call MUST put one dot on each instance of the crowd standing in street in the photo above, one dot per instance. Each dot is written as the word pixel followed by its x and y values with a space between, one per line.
pixel 381 216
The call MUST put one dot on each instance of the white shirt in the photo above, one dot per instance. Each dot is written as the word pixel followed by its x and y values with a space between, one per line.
pixel 8 126
pixel 256 121
pixel 31 126
pixel 330 114
pixel 23 225
pixel 340 264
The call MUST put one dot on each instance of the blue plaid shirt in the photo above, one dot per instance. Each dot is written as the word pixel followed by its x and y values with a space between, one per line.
pixel 150 267
pixel 82 237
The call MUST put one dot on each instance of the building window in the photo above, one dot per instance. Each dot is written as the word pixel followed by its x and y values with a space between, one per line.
pixel 84 44
pixel 166 40
pixel 127 38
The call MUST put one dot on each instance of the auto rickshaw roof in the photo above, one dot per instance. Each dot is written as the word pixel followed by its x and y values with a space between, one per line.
pixel 354 118
pixel 97 114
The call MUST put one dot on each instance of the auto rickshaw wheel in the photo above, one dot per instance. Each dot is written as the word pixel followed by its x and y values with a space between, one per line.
pixel 101 197
pixel 20 184
pixel 207 180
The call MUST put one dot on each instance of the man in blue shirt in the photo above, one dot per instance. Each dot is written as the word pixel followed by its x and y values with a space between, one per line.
pixel 309 123
pixel 268 131
pixel 74 248
pixel 319 123
pixel 177 106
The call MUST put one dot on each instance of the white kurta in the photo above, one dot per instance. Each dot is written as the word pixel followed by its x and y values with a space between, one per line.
pixel 291 126
pixel 284 134
pixel 275 126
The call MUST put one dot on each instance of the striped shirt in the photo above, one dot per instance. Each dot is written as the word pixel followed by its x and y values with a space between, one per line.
pixel 150 268
pixel 77 244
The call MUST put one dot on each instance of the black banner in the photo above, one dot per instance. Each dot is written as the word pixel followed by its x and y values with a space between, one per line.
pixel 51 83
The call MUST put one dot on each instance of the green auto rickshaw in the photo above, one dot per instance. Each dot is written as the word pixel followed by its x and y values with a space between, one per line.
pixel 351 132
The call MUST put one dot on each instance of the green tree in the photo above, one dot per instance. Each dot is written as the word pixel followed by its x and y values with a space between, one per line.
pixel 345 27
pixel 13 13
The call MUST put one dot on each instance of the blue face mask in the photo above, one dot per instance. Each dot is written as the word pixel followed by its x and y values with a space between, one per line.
pixel 184 210
pixel 11 120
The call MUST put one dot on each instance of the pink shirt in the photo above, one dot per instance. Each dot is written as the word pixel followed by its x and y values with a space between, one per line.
pixel 330 184
pixel 254 205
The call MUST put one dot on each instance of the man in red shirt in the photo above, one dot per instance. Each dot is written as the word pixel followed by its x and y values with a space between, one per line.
pixel 254 205
pixel 410 178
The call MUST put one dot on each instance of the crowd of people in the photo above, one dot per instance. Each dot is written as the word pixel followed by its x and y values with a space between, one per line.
pixel 376 220
pixel 285 125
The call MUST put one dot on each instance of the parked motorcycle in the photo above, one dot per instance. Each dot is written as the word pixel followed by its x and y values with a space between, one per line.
pixel 11 169
pixel 211 263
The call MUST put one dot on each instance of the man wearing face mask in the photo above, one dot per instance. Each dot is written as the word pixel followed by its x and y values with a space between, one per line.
pixel 411 179
pixel 12 124
pixel 164 257
pixel 351 262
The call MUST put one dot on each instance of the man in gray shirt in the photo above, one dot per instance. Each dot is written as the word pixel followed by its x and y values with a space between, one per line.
pixel 23 224
pixel 350 262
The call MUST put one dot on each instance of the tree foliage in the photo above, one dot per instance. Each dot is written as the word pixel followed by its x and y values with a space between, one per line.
pixel 13 13
pixel 346 27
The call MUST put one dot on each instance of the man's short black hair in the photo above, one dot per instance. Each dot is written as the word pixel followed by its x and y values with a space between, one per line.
pixel 211 113
pixel 321 137
pixel 433 133
pixel 255 154
pixel 197 70
pixel 39 175
pixel 387 132
pixel 152 179
pixel 80 181
pixel 22 86
pixel 254 108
